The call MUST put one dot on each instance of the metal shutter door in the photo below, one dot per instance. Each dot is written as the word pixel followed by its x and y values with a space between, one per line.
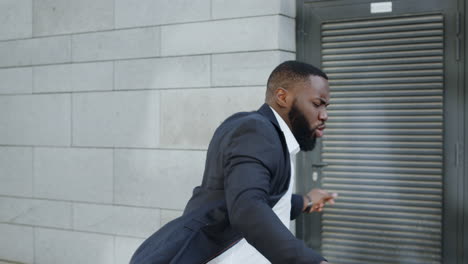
pixel 383 141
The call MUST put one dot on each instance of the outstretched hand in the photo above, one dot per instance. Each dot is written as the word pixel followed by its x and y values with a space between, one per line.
pixel 319 198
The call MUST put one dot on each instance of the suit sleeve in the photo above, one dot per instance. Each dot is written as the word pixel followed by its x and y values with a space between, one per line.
pixel 250 159
pixel 297 203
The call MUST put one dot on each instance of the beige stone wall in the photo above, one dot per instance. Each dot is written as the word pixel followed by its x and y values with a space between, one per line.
pixel 106 110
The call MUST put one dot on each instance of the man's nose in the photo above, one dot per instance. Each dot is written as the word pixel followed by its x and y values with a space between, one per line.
pixel 323 116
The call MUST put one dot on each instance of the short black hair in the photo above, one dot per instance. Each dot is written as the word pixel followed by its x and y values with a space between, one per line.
pixel 288 72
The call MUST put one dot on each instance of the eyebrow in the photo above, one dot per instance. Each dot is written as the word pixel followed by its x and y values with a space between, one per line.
pixel 323 101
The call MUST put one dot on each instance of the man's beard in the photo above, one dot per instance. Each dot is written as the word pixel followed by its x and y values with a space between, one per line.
pixel 301 130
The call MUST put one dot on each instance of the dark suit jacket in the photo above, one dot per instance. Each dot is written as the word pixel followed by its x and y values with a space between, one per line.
pixel 247 171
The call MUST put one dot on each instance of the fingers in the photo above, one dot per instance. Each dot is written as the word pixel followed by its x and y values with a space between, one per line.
pixel 318 207
pixel 328 198
pixel 332 200
pixel 320 198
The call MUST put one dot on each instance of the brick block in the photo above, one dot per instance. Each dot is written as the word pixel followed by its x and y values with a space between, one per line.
pixel 119 44
pixel 58 247
pixel 93 76
pixel 55 78
pixel 157 178
pixel 51 50
pixel 16 243
pixel 74 77
pixel 35 212
pixel 16 175
pixel 157 12
pixel 35 120
pixel 73 174
pixel 124 248
pixel 203 111
pixel 193 71
pixel 243 8
pixel 16 80
pixel 116 119
pixel 15 53
pixel 246 34
pixel 116 220
pixel 35 51
pixel 70 16
pixel 249 68
pixel 15 19
pixel 287 33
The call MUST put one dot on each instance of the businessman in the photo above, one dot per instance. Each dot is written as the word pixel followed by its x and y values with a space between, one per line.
pixel 242 210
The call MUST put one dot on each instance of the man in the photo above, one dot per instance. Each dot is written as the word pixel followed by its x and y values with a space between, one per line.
pixel 241 211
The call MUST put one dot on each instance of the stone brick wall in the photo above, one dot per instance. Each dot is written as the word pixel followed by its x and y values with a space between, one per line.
pixel 106 110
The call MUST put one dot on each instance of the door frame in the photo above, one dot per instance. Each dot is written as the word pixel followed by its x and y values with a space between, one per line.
pixel 455 182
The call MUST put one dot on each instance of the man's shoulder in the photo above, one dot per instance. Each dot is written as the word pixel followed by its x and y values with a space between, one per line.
pixel 244 123
pixel 248 120
pixel 247 117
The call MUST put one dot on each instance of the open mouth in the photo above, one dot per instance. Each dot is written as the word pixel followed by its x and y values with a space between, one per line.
pixel 319 131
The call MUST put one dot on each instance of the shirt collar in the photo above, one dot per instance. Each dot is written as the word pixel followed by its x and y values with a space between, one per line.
pixel 291 142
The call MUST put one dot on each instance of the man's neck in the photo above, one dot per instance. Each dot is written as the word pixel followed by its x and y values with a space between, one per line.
pixel 282 113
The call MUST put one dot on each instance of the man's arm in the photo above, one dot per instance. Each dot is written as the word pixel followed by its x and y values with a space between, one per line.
pixel 252 157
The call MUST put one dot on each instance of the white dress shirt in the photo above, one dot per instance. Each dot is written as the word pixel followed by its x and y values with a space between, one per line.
pixel 242 252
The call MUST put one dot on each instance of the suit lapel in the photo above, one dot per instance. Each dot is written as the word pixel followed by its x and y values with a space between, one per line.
pixel 283 182
pixel 266 111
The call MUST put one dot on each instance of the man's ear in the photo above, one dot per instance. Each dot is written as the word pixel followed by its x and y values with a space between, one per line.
pixel 281 97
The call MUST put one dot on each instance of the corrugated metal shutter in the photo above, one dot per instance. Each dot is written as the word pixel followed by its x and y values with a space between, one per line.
pixel 383 140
